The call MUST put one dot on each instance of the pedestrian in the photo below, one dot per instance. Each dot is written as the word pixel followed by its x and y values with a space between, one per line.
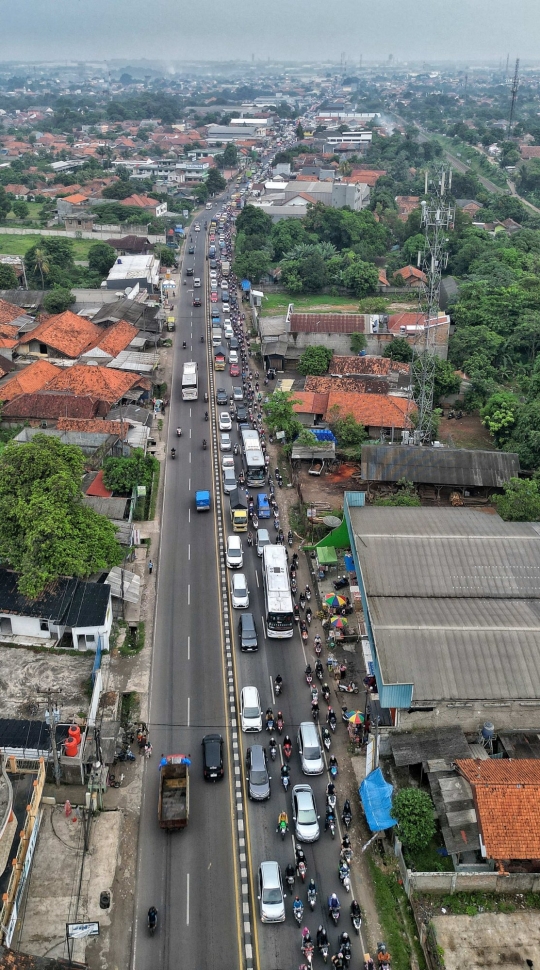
pixel 147 750
pixel 150 566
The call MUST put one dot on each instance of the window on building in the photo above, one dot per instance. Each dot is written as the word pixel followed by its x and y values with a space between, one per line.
pixel 44 625
pixel 43 348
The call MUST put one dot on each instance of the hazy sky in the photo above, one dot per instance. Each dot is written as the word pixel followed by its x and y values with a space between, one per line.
pixel 465 30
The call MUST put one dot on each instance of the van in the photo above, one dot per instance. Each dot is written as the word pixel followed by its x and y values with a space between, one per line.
pixel 250 707
pixel 247 633
pixel 270 893
pixel 263 539
pixel 311 758
pixel 229 480
pixel 216 337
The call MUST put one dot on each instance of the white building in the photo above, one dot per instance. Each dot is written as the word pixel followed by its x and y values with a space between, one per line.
pixel 130 270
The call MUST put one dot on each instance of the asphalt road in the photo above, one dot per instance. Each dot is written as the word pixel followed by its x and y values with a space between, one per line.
pixel 201 922
pixel 189 875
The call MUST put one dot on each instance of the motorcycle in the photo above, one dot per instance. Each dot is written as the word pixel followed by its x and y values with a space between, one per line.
pixel 309 676
pixel 270 724
pixel 173 452
pixel 287 750
pixel 152 920
pixel 326 693
pixel 332 723
pixel 184 345
pixel 304 631
pixel 312 897
pixel 327 740
pixel 356 922
pixel 314 694
pixel 349 688
pixel 283 828
pixel 302 601
pixel 318 645
pixel 294 587
pixel 206 396
pixel 347 953
pixel 285 780
pixel 204 444
pixel 309 616
pixel 279 724
pixel 331 823
pixel 278 687
pixel 307 950
pixel 206 415
pixel 333 765
pixel 334 912
pixel 302 870
pixel 346 815
pixel 298 914
pixel 345 877
pixel 346 855
pixel 324 950
pixel 331 802
pixel 319 670
pixel 289 877
pixel 308 593
pixel 179 432
pixel 340 583
pixel 290 538
pixel 273 751
pixel 315 711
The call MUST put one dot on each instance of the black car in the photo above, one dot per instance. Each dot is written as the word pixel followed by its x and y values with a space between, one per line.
pixel 241 413
pixel 221 396
pixel 196 301
pixel 191 250
pixel 212 745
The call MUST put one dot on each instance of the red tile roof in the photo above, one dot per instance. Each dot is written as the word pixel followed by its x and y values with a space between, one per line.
pixel 310 403
pixel 371 410
pixel 103 383
pixel 31 379
pixel 117 338
pixel 142 201
pixel 91 425
pixel 9 312
pixel 47 404
pixel 383 280
pixel 365 176
pixel 327 322
pixel 381 366
pixel 16 189
pixel 349 383
pixel 76 199
pixel 98 488
pixel 507 799
pixel 67 333
pixel 411 273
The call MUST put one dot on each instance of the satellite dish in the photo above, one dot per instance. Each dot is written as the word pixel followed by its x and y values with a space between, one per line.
pixel 128 290
pixel 332 521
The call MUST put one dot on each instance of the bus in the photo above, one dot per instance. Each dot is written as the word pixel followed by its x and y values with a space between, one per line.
pixel 253 458
pixel 190 381
pixel 277 592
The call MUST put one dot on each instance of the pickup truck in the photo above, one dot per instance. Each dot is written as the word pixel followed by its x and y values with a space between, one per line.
pixel 202 501
pixel 173 800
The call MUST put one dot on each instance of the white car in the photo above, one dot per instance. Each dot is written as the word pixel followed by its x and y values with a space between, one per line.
pixel 225 442
pixel 239 591
pixel 305 818
pixel 197 227
pixel 233 357
pixel 234 554
pixel 227 461
pixel 196 281
pixel 228 332
pixel 250 706
pixel 225 423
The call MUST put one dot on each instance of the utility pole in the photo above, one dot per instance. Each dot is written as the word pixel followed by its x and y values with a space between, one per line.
pixel 437 217
pixel 507 63
pixel 52 717
pixel 515 85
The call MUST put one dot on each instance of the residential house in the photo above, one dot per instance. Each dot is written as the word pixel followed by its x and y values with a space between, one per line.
pixel 69 614
pixel 310 407
pixel 411 276
pixel 42 409
pixel 62 336
pixel 153 207
pixel 131 245
pixel 144 316
pixel 381 414
pixel 97 439
pixel 19 191
pixel 470 206
pixel 104 384
pixel 30 379
pixel 406 204
pixel 506 796
pixel 75 204
pixel 529 151
pixel 396 372
pixel 79 221
pixel 131 271
pixel 349 384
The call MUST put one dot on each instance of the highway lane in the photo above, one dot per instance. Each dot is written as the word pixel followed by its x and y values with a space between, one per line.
pixel 279 946
pixel 191 875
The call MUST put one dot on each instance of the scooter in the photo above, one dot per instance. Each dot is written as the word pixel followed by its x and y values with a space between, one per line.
pixel 152 920
pixel 327 740
pixel 179 432
pixel 304 632
pixel 349 688
pixel 356 922
pixel 302 601
pixel 308 593
pixel 173 452
pixel 298 914
pixel 312 897
pixel 345 877
pixel 340 583
pixel 346 815
pixel 273 751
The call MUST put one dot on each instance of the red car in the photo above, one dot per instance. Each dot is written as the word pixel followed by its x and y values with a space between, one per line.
pixel 214 297
pixel 234 370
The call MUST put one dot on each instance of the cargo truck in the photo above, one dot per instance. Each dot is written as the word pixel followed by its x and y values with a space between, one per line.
pixel 202 501
pixel 239 512
pixel 225 267
pixel 173 801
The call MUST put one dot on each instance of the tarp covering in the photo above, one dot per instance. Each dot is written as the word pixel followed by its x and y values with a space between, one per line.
pixel 323 434
pixel 327 556
pixel 376 797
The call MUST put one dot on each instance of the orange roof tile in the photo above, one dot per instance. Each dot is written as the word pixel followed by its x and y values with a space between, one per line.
pixel 97 487
pixel 76 199
pixel 66 332
pixel 507 800
pixel 117 338
pixel 32 378
pixel 382 366
pixel 105 383
pixel 9 312
pixel 310 403
pixel 371 410
pixel 142 201
pixel 411 271
pixel 91 425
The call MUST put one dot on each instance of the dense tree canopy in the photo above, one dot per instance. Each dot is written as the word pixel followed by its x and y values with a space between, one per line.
pixel 47 531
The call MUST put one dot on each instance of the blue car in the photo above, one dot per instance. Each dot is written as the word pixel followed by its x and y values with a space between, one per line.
pixel 263 506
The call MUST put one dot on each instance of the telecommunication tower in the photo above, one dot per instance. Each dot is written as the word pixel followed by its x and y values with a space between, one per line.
pixel 515 85
pixel 436 219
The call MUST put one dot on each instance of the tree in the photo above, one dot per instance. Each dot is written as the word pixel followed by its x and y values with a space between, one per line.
pixel 286 234
pixel 21 209
pixel 358 342
pixel 446 380
pixel 254 222
pixel 525 437
pixel 230 155
pixel 399 349
pixel 361 277
pixel 299 132
pixel 251 266
pixel 58 300
pixel 101 257
pixel 201 193
pixel 41 263
pixel 5 202
pixel 8 277
pixel 122 475
pixel 315 360
pixel 47 531
pixel 520 501
pixel 499 415
pixel 166 255
pixel 215 182
pixel 280 414
pixel 413 810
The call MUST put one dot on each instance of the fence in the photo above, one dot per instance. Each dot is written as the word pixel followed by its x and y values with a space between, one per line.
pixel 12 898
pixel 440 883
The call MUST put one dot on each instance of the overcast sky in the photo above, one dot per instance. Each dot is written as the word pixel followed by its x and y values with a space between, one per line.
pixel 464 30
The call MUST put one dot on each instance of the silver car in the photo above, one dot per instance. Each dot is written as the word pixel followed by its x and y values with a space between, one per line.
pixel 306 820
pixel 270 893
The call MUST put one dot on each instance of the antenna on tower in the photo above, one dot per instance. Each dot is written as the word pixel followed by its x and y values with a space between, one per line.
pixel 515 85
pixel 436 219
pixel 507 63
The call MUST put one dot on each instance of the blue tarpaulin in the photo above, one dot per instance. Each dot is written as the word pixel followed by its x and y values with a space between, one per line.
pixel 246 285
pixel 322 434
pixel 376 797
pixel 349 564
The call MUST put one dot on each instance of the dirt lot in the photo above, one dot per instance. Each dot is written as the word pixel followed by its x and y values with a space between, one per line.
pixel 23 673
pixel 329 487
pixel 489 940
pixel 468 432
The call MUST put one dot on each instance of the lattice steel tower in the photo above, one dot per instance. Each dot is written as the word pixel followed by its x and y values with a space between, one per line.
pixel 437 218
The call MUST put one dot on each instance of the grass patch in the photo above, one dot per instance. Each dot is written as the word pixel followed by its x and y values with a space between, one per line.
pixel 428 859
pixel 396 918
pixel 18 245
pixel 134 640
pixel 153 495
pixel 129 711
pixel 470 904
pixel 276 303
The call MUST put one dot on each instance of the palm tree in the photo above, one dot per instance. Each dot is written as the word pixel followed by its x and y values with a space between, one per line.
pixel 41 263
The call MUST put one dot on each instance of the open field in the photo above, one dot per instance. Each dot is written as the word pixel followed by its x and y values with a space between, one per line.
pixel 276 303
pixel 14 245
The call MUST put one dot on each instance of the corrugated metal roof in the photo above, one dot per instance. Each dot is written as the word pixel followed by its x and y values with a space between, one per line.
pixel 438 466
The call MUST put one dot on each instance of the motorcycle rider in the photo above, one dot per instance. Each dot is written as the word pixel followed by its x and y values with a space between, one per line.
pixel 279 681
pixel 312 888
pixel 306 937
pixel 345 842
pixel 284 771
pixel 331 716
pixel 333 904
pixel 319 669
pixel 346 813
pixel 330 789
pixel 152 917
pixel 344 941
pixel 289 871
pixel 272 744
pixel 356 912
pixel 338 961
pixel 322 937
pixel 269 715
pixel 329 817
pixel 287 746
pixel 297 905
pixel 300 856
pixel 283 820
pixel 279 717
pixel 368 962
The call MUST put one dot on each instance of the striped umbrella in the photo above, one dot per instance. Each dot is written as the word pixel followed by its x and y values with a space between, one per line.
pixel 356 717
pixel 338 623
pixel 334 600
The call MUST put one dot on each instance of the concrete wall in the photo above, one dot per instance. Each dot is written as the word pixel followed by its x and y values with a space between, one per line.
pixel 25 626
pixel 512 714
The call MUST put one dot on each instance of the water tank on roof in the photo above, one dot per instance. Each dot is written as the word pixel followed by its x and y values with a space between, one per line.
pixel 71 747
pixel 488 731
pixel 74 733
